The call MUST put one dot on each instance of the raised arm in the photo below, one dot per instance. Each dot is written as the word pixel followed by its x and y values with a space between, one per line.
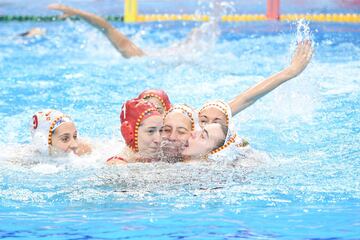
pixel 299 62
pixel 127 48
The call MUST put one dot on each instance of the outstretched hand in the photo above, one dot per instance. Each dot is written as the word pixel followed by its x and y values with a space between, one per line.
pixel 301 57
pixel 67 11
pixel 299 61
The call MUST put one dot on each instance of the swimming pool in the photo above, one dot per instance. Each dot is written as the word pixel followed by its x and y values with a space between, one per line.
pixel 306 133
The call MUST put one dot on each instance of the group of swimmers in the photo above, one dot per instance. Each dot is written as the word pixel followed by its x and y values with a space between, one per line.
pixel 152 127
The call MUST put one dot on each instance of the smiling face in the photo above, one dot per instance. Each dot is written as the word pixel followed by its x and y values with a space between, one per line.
pixel 202 142
pixel 149 136
pixel 175 133
pixel 64 139
pixel 177 126
pixel 212 115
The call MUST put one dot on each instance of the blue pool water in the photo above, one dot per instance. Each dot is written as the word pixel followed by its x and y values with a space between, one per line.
pixel 305 134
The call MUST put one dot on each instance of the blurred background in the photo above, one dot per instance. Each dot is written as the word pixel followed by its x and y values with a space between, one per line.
pixel 116 7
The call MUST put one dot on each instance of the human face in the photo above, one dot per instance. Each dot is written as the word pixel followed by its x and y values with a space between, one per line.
pixel 157 103
pixel 149 136
pixel 212 115
pixel 64 139
pixel 177 127
pixel 204 141
pixel 176 132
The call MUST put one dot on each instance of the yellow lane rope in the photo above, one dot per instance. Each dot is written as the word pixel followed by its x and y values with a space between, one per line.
pixel 341 18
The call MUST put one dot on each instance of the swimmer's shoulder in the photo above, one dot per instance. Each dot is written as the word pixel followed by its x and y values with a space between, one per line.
pixel 34 32
pixel 84 147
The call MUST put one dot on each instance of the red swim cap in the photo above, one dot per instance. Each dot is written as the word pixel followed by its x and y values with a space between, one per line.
pixel 133 112
pixel 159 94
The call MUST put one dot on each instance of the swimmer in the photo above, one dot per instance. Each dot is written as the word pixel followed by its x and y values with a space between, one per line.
pixel 183 140
pixel 221 112
pixel 179 120
pixel 202 142
pixel 178 123
pixel 34 32
pixel 157 97
pixel 125 46
pixel 216 142
pixel 140 127
pixel 121 43
pixel 233 146
pixel 218 111
pixel 54 133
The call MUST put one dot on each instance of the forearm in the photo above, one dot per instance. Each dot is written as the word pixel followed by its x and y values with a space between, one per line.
pixel 252 94
pixel 300 60
pixel 93 19
pixel 119 41
pixel 126 47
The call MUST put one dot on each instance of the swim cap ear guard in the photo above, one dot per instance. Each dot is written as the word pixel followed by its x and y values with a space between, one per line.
pixel 127 131
pixel 40 142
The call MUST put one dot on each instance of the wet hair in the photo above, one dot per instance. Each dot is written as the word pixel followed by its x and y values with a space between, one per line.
pixel 148 97
pixel 221 141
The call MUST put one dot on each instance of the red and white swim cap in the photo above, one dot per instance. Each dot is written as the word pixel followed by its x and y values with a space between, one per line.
pixel 159 94
pixel 188 112
pixel 133 112
pixel 43 126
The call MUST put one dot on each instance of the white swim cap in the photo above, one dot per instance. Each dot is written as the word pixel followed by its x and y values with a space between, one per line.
pixel 232 141
pixel 224 108
pixel 187 111
pixel 43 126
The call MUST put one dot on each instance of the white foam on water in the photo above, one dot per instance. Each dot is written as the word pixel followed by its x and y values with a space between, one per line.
pixel 205 68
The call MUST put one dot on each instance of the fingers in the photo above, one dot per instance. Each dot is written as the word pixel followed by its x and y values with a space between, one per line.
pixel 304 50
pixel 302 56
pixel 307 50
pixel 298 53
pixel 310 52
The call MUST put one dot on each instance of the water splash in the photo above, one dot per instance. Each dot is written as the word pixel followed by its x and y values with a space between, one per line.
pixel 303 31
pixel 311 164
pixel 203 38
